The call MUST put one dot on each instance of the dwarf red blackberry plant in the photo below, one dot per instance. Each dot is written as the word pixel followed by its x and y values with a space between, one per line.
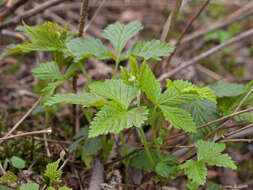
pixel 133 100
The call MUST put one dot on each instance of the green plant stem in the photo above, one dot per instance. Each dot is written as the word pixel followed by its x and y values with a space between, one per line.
pixel 123 143
pixel 154 127
pixel 145 143
pixel 139 98
pixel 116 67
pixel 84 73
pixel 124 152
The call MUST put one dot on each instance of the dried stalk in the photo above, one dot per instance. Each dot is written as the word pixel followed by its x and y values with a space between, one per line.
pixel 6 12
pixel 32 12
pixel 171 21
pixel 187 27
pixel 196 59
pixel 75 116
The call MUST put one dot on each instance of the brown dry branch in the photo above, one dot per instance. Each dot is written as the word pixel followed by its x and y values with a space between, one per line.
pixel 227 135
pixel 196 59
pixel 75 108
pixel 208 72
pixel 236 131
pixel 9 10
pixel 2 169
pixel 236 110
pixel 187 27
pixel 26 134
pixel 243 100
pixel 241 13
pixel 236 140
pixel 95 15
pixel 213 122
pixel 171 21
pixel 22 119
pixel 30 13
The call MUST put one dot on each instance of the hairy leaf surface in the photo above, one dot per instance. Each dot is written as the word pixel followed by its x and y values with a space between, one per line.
pixel 179 118
pixel 210 153
pixel 150 85
pixel 196 171
pixel 83 48
pixel 113 119
pixel 119 34
pixel 52 171
pixel 47 37
pixel 225 89
pixel 150 49
pixel 84 99
pixel 189 89
pixel 116 90
pixel 202 112
pixel 30 186
pixel 48 71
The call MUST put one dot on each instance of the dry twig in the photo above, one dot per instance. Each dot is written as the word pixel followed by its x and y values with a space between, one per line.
pixel 213 122
pixel 196 59
pixel 75 108
pixel 21 120
pixel 30 13
pixel 26 134
pixel 235 16
pixel 187 27
pixel 6 12
pixel 171 21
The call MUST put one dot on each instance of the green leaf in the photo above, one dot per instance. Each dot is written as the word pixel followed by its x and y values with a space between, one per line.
pixel 119 34
pixel 8 50
pixel 17 162
pixel 48 71
pixel 169 97
pixel 83 48
pixel 53 173
pixel 179 118
pixel 150 49
pixel 84 99
pixel 162 169
pixel 92 146
pixel 30 186
pixel 50 188
pixel 168 166
pixel 213 186
pixel 228 104
pixel 134 67
pixel 83 132
pixel 225 89
pixel 65 188
pixel 5 188
pixel 220 35
pixel 114 89
pixel 49 90
pixel 172 97
pixel 141 161
pixel 196 171
pixel 192 185
pixel 185 87
pixel 150 85
pixel 210 153
pixel 71 70
pixel 113 119
pixel 245 116
pixel 202 111
pixel 73 146
pixel 9 178
pixel 47 37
